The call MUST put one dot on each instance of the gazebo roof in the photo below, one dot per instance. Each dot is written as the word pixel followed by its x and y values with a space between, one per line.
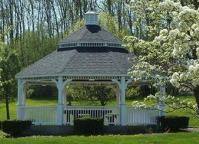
pixel 90 51
pixel 91 34
pixel 79 63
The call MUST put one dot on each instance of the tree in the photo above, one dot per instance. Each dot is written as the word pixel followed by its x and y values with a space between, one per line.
pixel 186 48
pixel 173 52
pixel 8 67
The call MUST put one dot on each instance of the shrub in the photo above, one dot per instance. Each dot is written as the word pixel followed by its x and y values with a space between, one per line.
pixel 143 129
pixel 173 123
pixel 15 127
pixel 133 129
pixel 86 125
pixel 3 134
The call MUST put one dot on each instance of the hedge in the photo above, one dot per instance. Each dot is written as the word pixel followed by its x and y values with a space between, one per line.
pixel 173 123
pixel 14 127
pixel 87 126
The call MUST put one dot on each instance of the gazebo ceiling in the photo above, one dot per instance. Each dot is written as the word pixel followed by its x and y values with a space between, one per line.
pixel 90 51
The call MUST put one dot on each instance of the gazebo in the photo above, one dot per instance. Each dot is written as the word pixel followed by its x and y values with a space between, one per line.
pixel 89 55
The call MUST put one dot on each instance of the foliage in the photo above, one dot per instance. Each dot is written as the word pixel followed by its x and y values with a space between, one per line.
pixel 88 125
pixel 15 127
pixel 171 103
pixel 173 123
pixel 131 129
pixel 31 46
pixel 8 67
pixel 132 92
pixel 101 93
pixel 146 19
pixel 109 22
pixel 173 51
pixel 3 135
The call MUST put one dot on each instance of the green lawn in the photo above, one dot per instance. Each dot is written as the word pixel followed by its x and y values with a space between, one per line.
pixel 31 102
pixel 166 138
pixel 194 122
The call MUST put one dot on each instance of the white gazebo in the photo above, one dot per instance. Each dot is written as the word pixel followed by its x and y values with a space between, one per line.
pixel 89 55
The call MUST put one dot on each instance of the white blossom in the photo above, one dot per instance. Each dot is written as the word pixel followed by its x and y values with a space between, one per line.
pixel 164 32
pixel 197 52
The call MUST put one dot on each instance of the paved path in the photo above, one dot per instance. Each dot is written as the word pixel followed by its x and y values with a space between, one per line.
pixel 192 129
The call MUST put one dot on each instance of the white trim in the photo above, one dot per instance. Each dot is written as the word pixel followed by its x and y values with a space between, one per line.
pixel 89 44
pixel 80 77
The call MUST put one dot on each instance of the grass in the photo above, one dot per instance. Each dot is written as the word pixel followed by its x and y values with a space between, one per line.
pixel 31 102
pixel 167 138
pixel 194 122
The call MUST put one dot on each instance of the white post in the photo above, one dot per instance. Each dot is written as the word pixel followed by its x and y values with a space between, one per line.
pixel 21 100
pixel 60 106
pixel 61 100
pixel 122 103
pixel 118 94
pixel 161 104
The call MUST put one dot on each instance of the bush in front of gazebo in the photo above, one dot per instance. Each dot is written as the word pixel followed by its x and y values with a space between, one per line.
pixel 88 125
pixel 15 127
pixel 173 123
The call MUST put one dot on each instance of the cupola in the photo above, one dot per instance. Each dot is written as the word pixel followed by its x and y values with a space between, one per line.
pixel 91 18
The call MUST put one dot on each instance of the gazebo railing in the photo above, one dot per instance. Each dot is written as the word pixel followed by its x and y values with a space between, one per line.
pixel 142 116
pixel 109 114
pixel 47 115
pixel 41 115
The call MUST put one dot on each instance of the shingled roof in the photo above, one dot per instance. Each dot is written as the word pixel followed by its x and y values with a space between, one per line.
pixel 91 34
pixel 90 51
pixel 79 63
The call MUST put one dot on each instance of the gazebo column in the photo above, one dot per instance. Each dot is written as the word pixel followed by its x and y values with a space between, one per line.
pixel 60 105
pixel 122 102
pixel 161 105
pixel 61 100
pixel 117 94
pixel 21 99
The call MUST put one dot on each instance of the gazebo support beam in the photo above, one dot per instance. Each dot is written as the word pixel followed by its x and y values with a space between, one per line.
pixel 61 99
pixel 161 104
pixel 21 99
pixel 122 101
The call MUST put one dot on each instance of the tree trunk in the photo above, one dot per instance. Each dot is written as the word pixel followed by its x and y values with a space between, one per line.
pixel 196 95
pixel 7 108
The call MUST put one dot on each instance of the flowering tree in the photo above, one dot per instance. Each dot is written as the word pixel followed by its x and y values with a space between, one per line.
pixel 185 41
pixel 174 53
pixel 7 70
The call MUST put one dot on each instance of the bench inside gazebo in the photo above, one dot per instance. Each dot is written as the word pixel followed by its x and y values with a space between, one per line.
pixel 89 55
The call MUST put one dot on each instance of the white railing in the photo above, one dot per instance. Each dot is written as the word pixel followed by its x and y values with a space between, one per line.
pixel 142 116
pixel 110 114
pixel 41 115
pixel 46 115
